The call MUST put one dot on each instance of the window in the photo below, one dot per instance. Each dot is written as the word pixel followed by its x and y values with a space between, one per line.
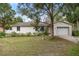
pixel 18 28
pixel 42 28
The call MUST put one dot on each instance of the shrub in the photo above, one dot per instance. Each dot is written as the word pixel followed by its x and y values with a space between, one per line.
pixel 29 34
pixel 34 33
pixel 75 33
pixel 14 34
pixel 22 35
pixel 74 51
pixel 40 33
pixel 2 34
pixel 45 33
pixel 8 34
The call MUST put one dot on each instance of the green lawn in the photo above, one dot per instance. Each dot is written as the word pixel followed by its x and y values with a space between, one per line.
pixel 34 46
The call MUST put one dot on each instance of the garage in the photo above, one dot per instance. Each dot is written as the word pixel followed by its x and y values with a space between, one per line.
pixel 62 28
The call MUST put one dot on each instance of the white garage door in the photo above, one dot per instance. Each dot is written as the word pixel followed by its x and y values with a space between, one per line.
pixel 62 30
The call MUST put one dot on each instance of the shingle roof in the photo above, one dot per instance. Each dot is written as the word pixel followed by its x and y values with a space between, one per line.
pixel 29 24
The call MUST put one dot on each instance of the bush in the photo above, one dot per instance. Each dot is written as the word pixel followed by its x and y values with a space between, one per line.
pixel 29 34
pixel 40 33
pixel 45 33
pixel 75 33
pixel 74 51
pixel 22 35
pixel 14 34
pixel 34 34
pixel 2 34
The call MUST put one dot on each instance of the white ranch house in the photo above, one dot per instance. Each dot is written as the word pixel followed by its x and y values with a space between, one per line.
pixel 60 28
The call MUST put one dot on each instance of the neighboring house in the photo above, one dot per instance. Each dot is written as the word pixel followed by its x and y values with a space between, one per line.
pixel 60 28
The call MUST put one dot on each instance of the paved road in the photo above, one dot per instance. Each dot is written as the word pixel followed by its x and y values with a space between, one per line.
pixel 71 38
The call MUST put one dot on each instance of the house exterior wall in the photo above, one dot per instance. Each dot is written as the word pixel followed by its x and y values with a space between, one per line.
pixel 22 30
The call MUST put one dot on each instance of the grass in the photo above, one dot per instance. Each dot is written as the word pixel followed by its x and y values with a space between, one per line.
pixel 30 46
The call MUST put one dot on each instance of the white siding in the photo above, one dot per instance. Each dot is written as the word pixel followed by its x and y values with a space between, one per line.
pixel 22 30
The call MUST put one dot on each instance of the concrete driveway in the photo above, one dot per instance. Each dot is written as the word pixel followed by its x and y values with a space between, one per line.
pixel 71 38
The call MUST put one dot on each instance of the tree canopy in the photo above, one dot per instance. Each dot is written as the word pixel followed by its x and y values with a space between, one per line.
pixel 18 19
pixel 6 15
pixel 71 11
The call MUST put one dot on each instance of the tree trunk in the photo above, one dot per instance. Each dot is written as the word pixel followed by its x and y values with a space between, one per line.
pixel 52 26
pixel 3 28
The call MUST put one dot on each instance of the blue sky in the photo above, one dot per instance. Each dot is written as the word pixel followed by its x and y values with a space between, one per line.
pixel 14 7
pixel 25 19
